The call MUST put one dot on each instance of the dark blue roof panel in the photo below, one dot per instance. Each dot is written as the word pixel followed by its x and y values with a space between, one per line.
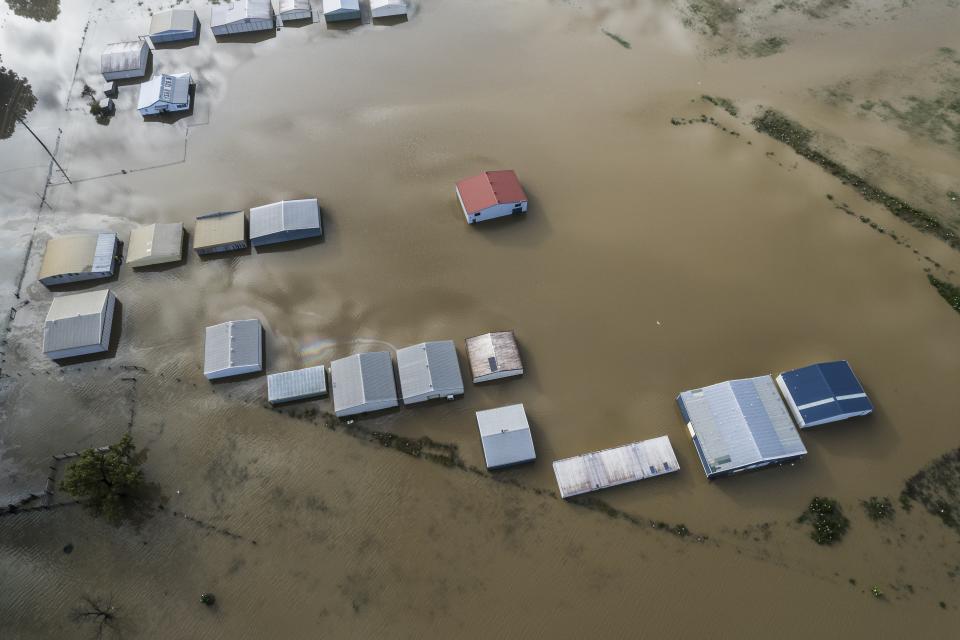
pixel 821 392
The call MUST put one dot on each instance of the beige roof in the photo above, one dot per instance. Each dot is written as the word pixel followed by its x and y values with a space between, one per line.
pixel 68 254
pixel 155 244
pixel 215 229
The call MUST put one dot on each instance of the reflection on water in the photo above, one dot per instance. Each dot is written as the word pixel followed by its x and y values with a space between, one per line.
pixel 16 101
pixel 40 10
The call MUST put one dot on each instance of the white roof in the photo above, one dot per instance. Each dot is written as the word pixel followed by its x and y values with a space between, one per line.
pixel 241 10
pixel 362 379
pixel 121 56
pixel 505 435
pixel 395 6
pixel 293 5
pixel 286 215
pixel 331 6
pixel 169 88
pixel 155 243
pixel 429 368
pixel 294 385
pixel 174 20
pixel 75 320
pixel 236 343
pixel 619 465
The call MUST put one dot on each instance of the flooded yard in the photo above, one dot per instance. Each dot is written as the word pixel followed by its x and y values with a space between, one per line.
pixel 669 245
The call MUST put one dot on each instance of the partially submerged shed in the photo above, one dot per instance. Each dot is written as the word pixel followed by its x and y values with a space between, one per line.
pixel 76 258
pixel 494 355
pixel 241 16
pixel 79 324
pixel 285 221
pixel 429 370
pixel 220 232
pixel 174 25
pixel 505 436
pixel 233 348
pixel 491 194
pixel 289 10
pixel 300 384
pixel 166 92
pixel 339 10
pixel 740 425
pixel 122 60
pixel 824 392
pixel 363 383
pixel 387 8
pixel 155 244
pixel 620 465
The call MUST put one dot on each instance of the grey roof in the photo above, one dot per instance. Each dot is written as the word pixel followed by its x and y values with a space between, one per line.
pixel 232 344
pixel 619 465
pixel 293 5
pixel 76 320
pixel 341 6
pixel 505 435
pixel 492 353
pixel 363 380
pixel 172 21
pixel 740 424
pixel 296 385
pixel 286 215
pixel 429 369
pixel 222 14
pixel 121 56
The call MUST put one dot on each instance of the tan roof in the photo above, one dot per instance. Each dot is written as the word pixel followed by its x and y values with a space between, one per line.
pixel 493 352
pixel 155 244
pixel 215 229
pixel 68 254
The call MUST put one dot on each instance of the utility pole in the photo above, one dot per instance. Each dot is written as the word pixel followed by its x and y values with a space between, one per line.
pixel 20 120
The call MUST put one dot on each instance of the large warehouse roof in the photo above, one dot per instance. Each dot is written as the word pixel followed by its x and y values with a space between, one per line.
pixel 221 228
pixel 285 220
pixel 296 385
pixel 601 469
pixel 79 254
pixel 173 21
pixel 824 392
pixel 122 56
pixel 429 370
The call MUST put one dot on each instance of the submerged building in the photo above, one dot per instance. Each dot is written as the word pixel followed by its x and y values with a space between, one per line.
pixel 155 244
pixel 79 324
pixel 494 355
pixel 740 425
pixel 123 60
pixel 619 465
pixel 174 25
pixel 339 10
pixel 387 8
pixel 220 232
pixel 429 370
pixel 288 10
pixel 76 258
pixel 166 92
pixel 505 436
pixel 285 221
pixel 491 194
pixel 241 16
pixel 300 384
pixel 233 348
pixel 824 392
pixel 363 383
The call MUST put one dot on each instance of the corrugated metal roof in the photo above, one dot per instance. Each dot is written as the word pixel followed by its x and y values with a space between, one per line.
pixel 490 188
pixel 739 424
pixel 505 436
pixel 231 344
pixel 181 20
pixel 155 244
pixel 493 353
pixel 170 88
pixel 75 320
pixel 619 465
pixel 429 368
pixel 296 385
pixel 385 8
pixel 240 10
pixel 286 215
pixel 293 5
pixel 121 56
pixel 79 254
pixel 334 6
pixel 214 229
pixel 824 392
pixel 363 379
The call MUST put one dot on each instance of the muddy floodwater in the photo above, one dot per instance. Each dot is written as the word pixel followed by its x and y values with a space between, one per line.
pixel 668 245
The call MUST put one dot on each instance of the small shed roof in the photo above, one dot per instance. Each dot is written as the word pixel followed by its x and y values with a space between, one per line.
pixel 740 424
pixel 824 392
pixel 610 467
pixel 363 380
pixel 121 56
pixel 172 21
pixel 239 10
pixel 173 88
pixel 155 244
pixel 75 320
pixel 492 353
pixel 490 188
pixel 233 344
pixel 286 215
pixel 296 385
pixel 429 369
pixel 78 254
pixel 505 435
pixel 293 5
pixel 334 6
pixel 224 227
pixel 383 8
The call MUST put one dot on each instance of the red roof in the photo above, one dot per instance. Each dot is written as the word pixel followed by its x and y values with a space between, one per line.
pixel 490 188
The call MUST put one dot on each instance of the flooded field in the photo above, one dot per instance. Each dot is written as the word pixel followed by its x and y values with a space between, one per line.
pixel 669 245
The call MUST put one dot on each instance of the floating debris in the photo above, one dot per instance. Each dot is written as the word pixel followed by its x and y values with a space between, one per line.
pixel 623 43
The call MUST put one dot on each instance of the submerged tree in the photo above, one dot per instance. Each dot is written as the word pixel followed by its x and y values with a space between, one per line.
pixel 96 611
pixel 109 482
pixel 16 100
pixel 39 10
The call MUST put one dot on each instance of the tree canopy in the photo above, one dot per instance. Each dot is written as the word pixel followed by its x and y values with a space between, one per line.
pixel 39 10
pixel 108 481
pixel 16 100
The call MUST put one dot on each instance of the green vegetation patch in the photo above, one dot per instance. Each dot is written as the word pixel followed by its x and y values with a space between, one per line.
pixel 878 509
pixel 827 519
pixel 949 292
pixel 724 103
pixel 937 488
pixel 799 138
pixel 616 38
pixel 109 481
pixel 766 47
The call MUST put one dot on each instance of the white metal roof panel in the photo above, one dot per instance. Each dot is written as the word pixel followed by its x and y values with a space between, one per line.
pixel 505 436
pixel 240 10
pixel 286 215
pixel 363 379
pixel 155 243
pixel 174 20
pixel 619 465
pixel 295 385
pixel 429 368
pixel 121 56
pixel 75 320
pixel 236 343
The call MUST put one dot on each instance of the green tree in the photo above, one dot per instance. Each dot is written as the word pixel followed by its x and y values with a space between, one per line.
pixel 39 10
pixel 16 100
pixel 109 482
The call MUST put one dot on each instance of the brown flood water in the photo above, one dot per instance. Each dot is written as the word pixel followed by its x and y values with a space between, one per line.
pixel 654 259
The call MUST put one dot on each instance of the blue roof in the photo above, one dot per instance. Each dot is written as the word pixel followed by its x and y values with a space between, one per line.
pixel 824 392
